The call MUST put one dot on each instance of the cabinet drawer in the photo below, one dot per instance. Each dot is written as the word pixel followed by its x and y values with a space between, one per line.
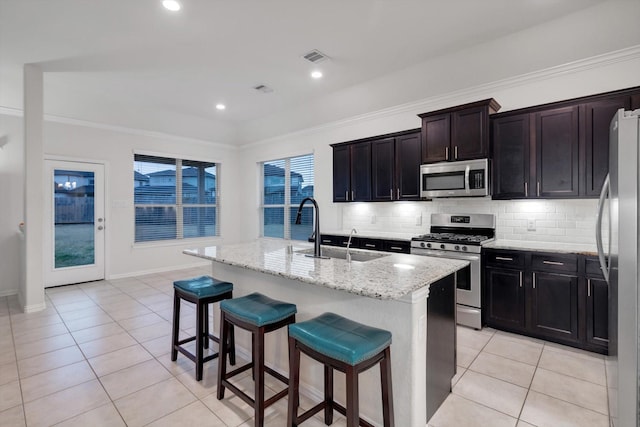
pixel 399 246
pixel 371 244
pixel 592 268
pixel 559 263
pixel 505 259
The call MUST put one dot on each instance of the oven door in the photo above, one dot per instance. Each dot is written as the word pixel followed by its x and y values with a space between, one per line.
pixel 467 279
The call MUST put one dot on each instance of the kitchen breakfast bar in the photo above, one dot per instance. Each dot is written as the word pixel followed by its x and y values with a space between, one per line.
pixel 388 291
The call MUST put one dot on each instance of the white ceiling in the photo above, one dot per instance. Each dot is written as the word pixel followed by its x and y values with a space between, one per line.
pixel 133 63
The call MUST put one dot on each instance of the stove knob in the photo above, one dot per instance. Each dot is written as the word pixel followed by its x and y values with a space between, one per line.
pixel 442 246
pixel 428 245
pixel 457 248
pixel 464 248
pixel 422 245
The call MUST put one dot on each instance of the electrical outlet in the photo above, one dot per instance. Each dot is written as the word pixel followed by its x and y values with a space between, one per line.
pixel 419 220
pixel 531 225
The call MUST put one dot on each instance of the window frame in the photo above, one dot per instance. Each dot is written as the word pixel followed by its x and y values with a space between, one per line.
pixel 179 206
pixel 287 206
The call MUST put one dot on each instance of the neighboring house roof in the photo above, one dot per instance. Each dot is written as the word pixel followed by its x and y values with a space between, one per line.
pixel 188 172
pixel 137 176
pixel 272 170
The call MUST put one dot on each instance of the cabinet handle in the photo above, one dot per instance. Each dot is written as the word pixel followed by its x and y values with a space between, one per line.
pixel 326 240
pixel 369 245
pixel 455 152
pixel 526 189
pixel 534 280
pixel 391 193
pixel 396 248
pixel 538 188
pixel 504 258
pixel 521 279
pixel 398 193
pixel 589 288
pixel 552 262
pixel 353 195
pixel 346 195
pixel 446 153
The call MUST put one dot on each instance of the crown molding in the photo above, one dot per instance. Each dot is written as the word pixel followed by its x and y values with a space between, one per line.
pixel 115 128
pixel 463 95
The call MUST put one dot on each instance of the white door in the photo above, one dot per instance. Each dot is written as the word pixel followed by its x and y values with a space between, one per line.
pixel 74 222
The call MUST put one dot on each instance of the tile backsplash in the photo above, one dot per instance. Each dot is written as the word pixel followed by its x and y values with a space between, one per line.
pixel 562 221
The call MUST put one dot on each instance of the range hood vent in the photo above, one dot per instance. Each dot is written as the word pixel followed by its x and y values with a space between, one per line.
pixel 315 56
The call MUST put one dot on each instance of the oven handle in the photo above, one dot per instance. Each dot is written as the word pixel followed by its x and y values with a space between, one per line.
pixel 445 254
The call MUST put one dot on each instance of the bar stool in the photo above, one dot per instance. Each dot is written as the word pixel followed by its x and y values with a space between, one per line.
pixel 349 347
pixel 201 291
pixel 259 315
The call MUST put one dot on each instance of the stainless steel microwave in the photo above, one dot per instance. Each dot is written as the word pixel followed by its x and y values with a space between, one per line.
pixel 455 179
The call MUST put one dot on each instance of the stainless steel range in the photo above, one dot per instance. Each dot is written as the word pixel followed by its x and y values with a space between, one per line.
pixel 460 237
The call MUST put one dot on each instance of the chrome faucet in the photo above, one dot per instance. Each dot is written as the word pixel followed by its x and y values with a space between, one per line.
pixel 317 252
pixel 353 230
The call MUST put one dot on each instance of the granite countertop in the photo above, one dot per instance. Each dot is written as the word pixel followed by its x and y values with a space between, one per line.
pixel 389 277
pixel 557 247
pixel 372 234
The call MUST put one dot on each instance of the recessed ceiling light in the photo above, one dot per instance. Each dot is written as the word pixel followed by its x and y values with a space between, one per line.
pixel 171 5
pixel 221 106
pixel 316 74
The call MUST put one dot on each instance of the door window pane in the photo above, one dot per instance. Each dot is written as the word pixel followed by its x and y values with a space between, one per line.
pixel 74 231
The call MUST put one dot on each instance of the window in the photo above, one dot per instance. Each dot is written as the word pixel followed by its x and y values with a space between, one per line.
pixel 174 198
pixel 285 183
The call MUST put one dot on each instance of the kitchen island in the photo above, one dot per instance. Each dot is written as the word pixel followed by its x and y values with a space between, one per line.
pixel 388 291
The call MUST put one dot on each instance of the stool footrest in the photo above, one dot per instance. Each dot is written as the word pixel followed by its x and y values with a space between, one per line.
pixel 238 370
pixel 320 406
pixel 277 375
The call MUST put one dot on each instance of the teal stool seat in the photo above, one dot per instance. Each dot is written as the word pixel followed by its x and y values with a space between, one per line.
pixel 349 347
pixel 201 291
pixel 258 309
pixel 340 338
pixel 258 315
pixel 203 286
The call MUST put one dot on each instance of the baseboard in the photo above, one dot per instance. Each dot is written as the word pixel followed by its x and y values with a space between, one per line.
pixel 33 308
pixel 8 292
pixel 158 270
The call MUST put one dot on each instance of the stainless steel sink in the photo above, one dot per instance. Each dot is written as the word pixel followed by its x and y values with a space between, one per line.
pixel 342 254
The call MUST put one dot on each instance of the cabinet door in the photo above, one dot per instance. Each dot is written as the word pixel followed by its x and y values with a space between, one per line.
pixel 361 172
pixel 504 296
pixel 408 148
pixel 511 157
pixel 341 173
pixel 436 138
pixel 598 116
pixel 554 306
pixel 557 153
pixel 469 135
pixel 383 169
pixel 597 313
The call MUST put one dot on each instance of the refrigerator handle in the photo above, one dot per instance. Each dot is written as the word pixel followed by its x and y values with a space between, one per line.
pixel 603 195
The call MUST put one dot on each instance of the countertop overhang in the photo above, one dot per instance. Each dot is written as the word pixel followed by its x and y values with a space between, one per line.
pixel 390 277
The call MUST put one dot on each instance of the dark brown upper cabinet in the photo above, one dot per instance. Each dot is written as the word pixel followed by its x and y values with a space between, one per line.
pixel 457 133
pixel 383 168
pixel 352 172
pixel 558 150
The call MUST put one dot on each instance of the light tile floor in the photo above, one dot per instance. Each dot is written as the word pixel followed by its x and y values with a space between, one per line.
pixel 99 355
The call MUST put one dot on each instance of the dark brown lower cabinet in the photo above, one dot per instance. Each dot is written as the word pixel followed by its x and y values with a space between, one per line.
pixel 556 297
pixel 554 306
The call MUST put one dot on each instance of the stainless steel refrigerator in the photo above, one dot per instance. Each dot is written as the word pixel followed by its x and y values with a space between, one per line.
pixel 619 259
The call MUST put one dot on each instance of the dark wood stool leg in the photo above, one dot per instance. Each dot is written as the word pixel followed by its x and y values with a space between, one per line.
pixel 199 343
pixel 353 411
pixel 328 395
pixel 222 357
pixel 205 323
pixel 176 327
pixel 232 346
pixel 387 392
pixel 258 367
pixel 294 383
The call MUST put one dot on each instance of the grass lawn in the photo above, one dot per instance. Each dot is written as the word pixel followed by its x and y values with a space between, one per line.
pixel 74 245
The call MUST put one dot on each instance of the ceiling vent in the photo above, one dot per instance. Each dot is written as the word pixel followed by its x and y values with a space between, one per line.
pixel 315 56
pixel 263 88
